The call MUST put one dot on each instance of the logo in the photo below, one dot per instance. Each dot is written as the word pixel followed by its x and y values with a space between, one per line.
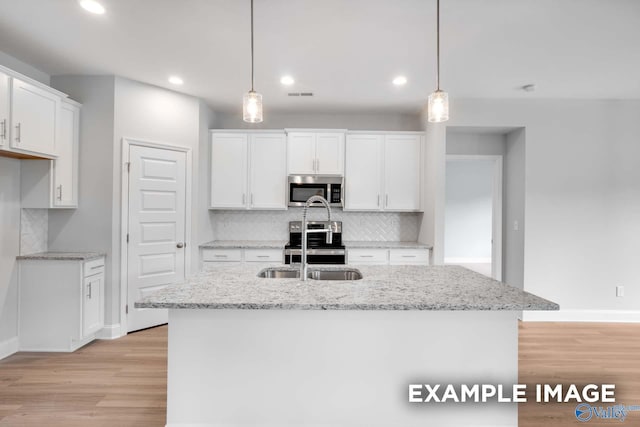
pixel 585 412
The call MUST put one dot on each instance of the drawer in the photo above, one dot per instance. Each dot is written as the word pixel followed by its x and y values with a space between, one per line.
pixel 409 256
pixel 95 266
pixel 222 255
pixel 367 256
pixel 264 255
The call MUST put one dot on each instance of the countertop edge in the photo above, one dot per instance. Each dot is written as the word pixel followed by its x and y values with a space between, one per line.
pixel 61 256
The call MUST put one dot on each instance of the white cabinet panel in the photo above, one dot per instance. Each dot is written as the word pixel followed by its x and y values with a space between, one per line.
pixel 329 153
pixel 301 153
pixel 402 172
pixel 5 106
pixel 92 309
pixel 363 172
pixel 34 118
pixel 65 167
pixel 264 255
pixel 409 256
pixel 268 171
pixel 368 256
pixel 229 170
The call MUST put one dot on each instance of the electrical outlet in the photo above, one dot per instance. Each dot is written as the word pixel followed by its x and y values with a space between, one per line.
pixel 619 291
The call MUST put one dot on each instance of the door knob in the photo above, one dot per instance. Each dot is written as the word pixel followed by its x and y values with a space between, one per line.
pixel 180 245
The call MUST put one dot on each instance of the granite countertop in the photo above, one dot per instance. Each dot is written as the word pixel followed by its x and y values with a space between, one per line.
pixel 385 245
pixel 382 288
pixel 244 244
pixel 63 256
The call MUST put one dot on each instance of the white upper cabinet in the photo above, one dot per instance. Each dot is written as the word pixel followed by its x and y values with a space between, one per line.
pixel 268 171
pixel 315 153
pixel 65 167
pixel 5 99
pixel 383 172
pixel 229 170
pixel 363 172
pixel 301 148
pixel 54 183
pixel 402 156
pixel 34 115
pixel 248 170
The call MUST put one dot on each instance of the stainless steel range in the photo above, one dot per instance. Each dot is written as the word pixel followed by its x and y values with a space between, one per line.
pixel 318 251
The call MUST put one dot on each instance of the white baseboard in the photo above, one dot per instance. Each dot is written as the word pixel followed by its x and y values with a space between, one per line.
pixel 615 316
pixel 8 347
pixel 467 260
pixel 110 332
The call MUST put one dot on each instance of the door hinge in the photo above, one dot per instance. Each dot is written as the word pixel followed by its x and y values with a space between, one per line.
pixel 128 167
pixel 127 237
pixel 126 309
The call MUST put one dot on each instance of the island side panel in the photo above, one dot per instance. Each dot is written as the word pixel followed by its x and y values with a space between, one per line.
pixel 339 368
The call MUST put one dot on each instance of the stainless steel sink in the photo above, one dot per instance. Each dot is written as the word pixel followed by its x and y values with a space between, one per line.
pixel 335 274
pixel 276 273
pixel 315 274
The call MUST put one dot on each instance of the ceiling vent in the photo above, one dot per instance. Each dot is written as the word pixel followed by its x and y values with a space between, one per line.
pixel 300 94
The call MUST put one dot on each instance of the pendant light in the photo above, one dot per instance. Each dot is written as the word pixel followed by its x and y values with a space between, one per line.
pixel 252 102
pixel 438 100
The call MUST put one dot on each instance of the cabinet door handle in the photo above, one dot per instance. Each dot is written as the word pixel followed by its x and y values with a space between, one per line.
pixel 263 256
pixel 386 201
pixel 318 166
pixel 251 199
pixel 408 256
pixel 220 256
pixel 60 192
pixel 366 256
pixel 4 129
pixel 244 198
pixel 18 132
pixel 378 200
pixel 89 291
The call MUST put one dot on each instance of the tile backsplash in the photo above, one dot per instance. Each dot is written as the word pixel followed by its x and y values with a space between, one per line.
pixel 272 225
pixel 34 229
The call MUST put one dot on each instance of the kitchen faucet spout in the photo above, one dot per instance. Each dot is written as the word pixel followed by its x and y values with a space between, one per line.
pixel 305 232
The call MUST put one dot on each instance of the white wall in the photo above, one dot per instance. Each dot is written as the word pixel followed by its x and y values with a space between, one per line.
pixel 150 113
pixel 514 208
pixel 469 208
pixel 10 227
pixel 208 120
pixel 9 247
pixel 582 199
pixel 470 142
pixel 364 121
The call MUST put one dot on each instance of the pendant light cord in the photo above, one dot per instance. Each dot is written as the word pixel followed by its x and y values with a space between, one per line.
pixel 252 45
pixel 437 44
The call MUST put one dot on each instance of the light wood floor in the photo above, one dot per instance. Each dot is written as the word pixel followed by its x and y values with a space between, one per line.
pixel 123 382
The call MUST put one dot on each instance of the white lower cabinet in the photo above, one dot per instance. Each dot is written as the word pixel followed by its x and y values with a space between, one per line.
pixel 61 303
pixel 381 256
pixel 221 257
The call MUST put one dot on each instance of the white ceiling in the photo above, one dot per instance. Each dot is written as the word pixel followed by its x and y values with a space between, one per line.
pixel 345 51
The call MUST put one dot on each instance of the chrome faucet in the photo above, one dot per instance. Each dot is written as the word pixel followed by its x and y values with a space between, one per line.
pixel 328 231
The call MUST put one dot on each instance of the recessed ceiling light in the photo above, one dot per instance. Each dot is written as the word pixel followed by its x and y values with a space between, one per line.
pixel 400 81
pixel 175 80
pixel 92 6
pixel 287 80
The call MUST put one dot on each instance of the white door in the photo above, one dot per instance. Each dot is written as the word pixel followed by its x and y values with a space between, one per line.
pixel 229 170
pixel 330 153
pixel 363 172
pixel 301 152
pixel 268 171
pixel 402 172
pixel 4 111
pixel 34 114
pixel 157 210
pixel 64 167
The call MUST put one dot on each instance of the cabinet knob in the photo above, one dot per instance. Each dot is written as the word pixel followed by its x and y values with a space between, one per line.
pixel 180 245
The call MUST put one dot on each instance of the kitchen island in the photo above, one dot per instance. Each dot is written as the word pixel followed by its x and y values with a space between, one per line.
pixel 253 351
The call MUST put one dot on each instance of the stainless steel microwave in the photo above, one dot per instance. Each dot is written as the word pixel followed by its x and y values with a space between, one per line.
pixel 301 187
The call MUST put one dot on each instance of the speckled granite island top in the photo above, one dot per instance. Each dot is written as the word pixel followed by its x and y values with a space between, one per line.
pixel 63 256
pixel 382 288
pixel 244 244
